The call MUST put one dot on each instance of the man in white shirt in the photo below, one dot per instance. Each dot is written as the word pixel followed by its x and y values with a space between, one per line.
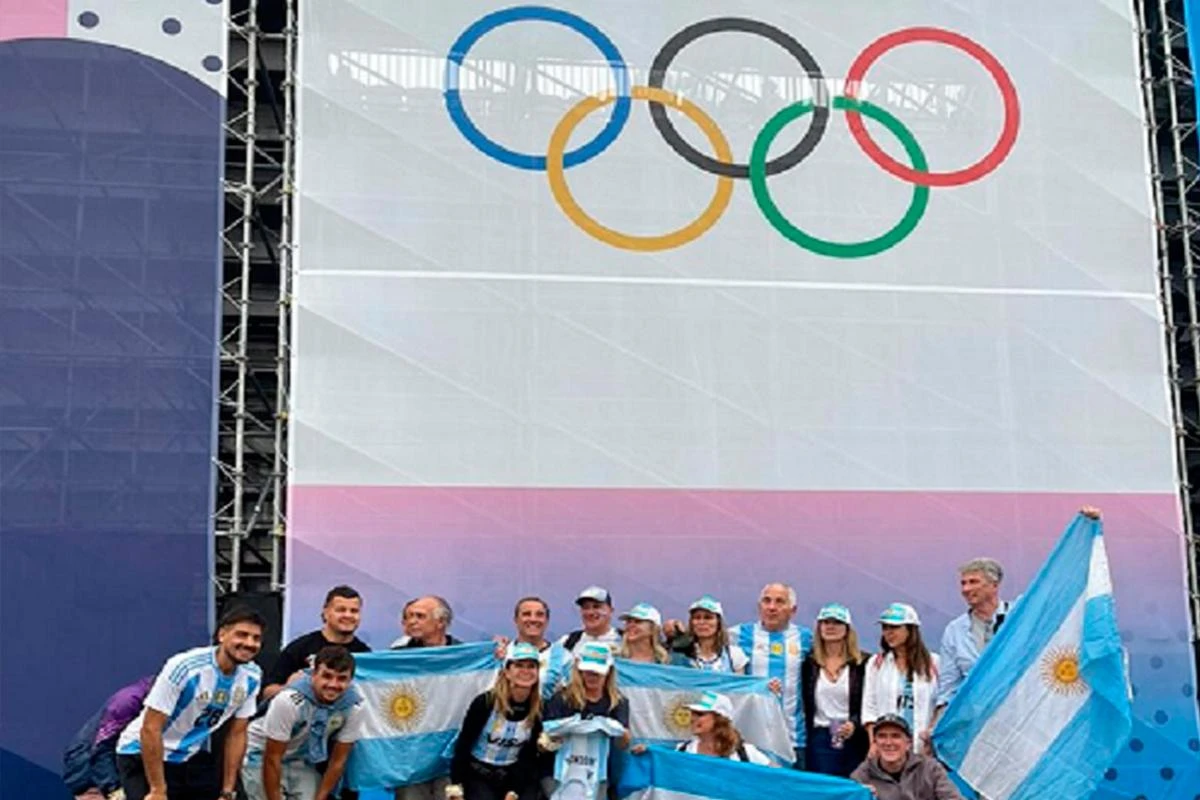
pixel 193 695
pixel 595 612
pixel 314 720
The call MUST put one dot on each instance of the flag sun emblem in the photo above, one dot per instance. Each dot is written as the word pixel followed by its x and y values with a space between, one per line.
pixel 677 715
pixel 1060 671
pixel 404 707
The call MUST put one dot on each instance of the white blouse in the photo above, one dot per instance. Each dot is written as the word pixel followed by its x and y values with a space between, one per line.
pixel 832 698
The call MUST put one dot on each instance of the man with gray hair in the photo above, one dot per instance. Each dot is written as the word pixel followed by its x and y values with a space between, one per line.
pixel 426 622
pixel 965 636
pixel 777 647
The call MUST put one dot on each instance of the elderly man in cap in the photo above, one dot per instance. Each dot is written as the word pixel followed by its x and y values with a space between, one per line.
pixel 595 612
pixel 896 772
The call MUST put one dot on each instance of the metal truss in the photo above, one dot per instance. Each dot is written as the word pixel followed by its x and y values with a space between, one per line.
pixel 250 518
pixel 1170 107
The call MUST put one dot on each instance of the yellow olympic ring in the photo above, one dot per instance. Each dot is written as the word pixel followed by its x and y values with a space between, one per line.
pixel 645 244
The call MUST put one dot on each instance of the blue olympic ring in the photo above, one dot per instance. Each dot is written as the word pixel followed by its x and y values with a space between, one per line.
pixel 454 105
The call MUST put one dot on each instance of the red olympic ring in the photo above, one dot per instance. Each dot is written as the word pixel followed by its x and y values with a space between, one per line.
pixel 1012 107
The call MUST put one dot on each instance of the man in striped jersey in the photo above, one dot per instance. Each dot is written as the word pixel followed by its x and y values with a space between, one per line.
pixel 777 647
pixel 194 694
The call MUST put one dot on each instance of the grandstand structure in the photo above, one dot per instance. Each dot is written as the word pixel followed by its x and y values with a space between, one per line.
pixel 250 517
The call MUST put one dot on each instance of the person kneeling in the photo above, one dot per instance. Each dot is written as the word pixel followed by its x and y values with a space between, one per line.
pixel 495 757
pixel 896 772
pixel 293 739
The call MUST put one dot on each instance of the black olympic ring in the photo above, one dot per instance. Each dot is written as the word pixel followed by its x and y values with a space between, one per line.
pixel 820 117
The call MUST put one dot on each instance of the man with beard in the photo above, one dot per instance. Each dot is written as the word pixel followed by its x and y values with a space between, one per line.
pixel 194 694
pixel 340 618
pixel 300 748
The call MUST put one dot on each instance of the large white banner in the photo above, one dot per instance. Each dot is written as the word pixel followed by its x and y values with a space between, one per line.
pixel 684 296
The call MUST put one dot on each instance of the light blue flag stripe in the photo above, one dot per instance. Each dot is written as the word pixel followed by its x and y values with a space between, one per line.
pixel 664 773
pixel 428 754
pixel 1053 592
pixel 396 665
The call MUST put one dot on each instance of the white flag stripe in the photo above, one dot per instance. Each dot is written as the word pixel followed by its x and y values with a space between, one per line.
pixel 1099 579
pixel 438 703
pixel 1032 716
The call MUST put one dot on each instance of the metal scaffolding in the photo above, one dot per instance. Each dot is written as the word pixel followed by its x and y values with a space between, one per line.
pixel 250 516
pixel 1170 108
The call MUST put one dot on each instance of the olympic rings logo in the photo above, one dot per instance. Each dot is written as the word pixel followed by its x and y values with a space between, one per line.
pixel 722 165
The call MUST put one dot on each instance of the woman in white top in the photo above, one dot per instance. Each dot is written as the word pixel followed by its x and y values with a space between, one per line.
pixel 642 640
pixel 831 685
pixel 713 733
pixel 903 678
pixel 706 644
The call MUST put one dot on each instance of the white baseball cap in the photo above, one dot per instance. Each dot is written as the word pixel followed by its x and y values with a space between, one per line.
pixel 644 611
pixel 711 702
pixel 594 657
pixel 900 614
pixel 836 612
pixel 597 593
pixel 708 603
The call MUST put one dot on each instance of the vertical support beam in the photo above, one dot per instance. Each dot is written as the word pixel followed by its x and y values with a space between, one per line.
pixel 283 352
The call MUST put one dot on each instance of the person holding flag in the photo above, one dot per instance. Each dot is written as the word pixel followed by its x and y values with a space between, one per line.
pixel 1046 708
pixel 777 647
pixel 713 732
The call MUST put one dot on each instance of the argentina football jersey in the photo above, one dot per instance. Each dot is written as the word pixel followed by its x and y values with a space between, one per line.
pixel 197 698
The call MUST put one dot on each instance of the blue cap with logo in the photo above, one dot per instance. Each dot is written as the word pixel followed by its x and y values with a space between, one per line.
pixel 520 651
pixel 594 657
pixel 836 612
pixel 708 603
pixel 900 614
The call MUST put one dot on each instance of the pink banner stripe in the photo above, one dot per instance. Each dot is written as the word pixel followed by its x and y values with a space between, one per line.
pixel 33 19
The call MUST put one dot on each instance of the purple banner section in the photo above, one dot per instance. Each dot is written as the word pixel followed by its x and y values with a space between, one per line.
pixel 110 214
pixel 482 548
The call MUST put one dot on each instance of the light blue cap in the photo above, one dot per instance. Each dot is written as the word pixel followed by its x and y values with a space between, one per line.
pixel 594 657
pixel 836 612
pixel 521 651
pixel 900 614
pixel 708 603
pixel 644 611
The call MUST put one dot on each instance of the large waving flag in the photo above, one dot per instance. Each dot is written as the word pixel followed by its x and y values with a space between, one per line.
pixel 415 701
pixel 659 697
pixel 1046 708
pixel 667 775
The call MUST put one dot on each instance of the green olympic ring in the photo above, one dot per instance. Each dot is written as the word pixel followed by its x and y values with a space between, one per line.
pixel 758 180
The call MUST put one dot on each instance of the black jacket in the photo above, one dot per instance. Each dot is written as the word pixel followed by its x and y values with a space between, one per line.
pixel 809 672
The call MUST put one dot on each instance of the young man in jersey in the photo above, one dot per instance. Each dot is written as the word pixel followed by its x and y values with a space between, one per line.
pixel 777 647
pixel 340 618
pixel 312 724
pixel 595 612
pixel 194 694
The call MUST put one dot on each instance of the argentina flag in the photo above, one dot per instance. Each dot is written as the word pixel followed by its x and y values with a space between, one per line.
pixel 415 701
pixel 666 775
pixel 1046 708
pixel 659 697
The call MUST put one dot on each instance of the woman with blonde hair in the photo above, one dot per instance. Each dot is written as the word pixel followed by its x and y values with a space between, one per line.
pixel 705 645
pixel 495 757
pixel 581 720
pixel 903 678
pixel 642 640
pixel 831 683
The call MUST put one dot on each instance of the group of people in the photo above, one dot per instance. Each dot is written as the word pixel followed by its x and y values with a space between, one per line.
pixel 547 725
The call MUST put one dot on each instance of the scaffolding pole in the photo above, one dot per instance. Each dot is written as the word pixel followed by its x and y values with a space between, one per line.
pixel 1171 124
